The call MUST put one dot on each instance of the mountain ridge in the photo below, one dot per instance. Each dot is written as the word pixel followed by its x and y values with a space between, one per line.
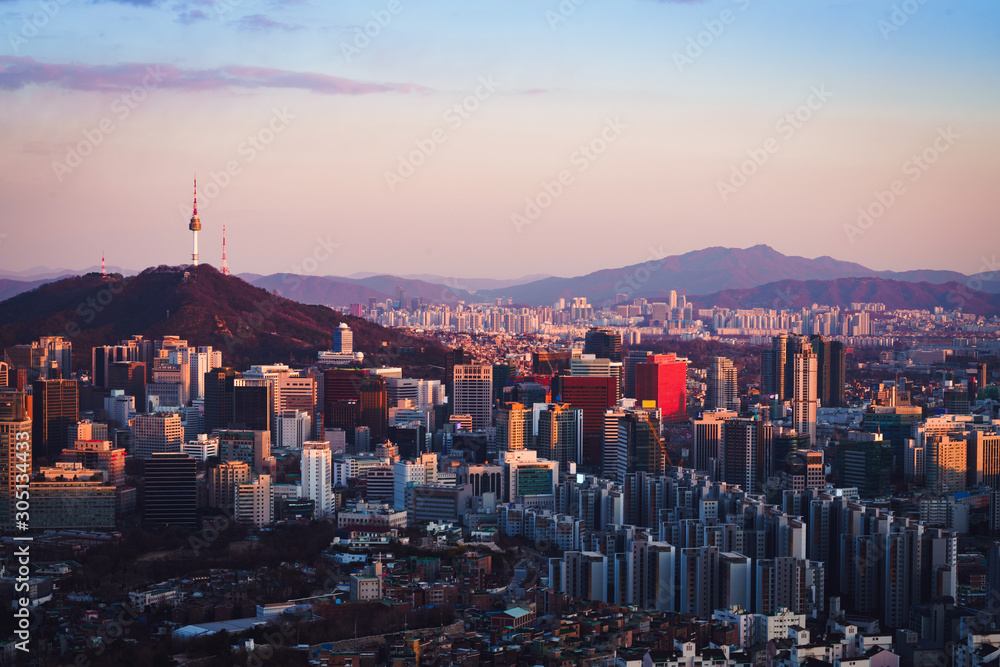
pixel 249 324
pixel 702 272
pixel 895 294
pixel 708 271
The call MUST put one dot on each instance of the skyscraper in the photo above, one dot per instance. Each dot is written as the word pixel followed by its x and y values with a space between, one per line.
pixel 157 433
pixel 804 393
pixel 343 339
pixel 129 376
pixel 603 343
pixel 374 407
pixel 352 398
pixel 473 393
pixel 294 428
pixel 662 379
pixel 791 583
pixel 831 359
pixel 55 407
pixel 721 394
pixel 316 471
pixel 222 482
pixel 254 503
pixel 777 366
pixel 511 427
pixel 628 371
pixel 699 577
pixel 15 452
pixel 580 574
pixel 590 365
pixel 452 358
pixel 639 446
pixel 651 567
pixel 219 390
pixel 707 445
pixel 200 361
pixel 253 401
pixel 592 395
pixel 865 465
pixel 171 489
pixel 250 447
pixel 946 461
pixel 746 453
pixel 560 433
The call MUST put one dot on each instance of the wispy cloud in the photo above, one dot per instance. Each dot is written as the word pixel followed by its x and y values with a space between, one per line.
pixel 260 22
pixel 16 73
pixel 189 16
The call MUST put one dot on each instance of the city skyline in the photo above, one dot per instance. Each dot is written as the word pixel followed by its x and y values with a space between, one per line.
pixel 313 134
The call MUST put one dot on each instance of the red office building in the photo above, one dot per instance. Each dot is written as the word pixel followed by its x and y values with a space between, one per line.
pixel 593 395
pixel 662 378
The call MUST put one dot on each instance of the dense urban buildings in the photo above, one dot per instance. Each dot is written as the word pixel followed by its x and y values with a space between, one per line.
pixel 462 369
pixel 764 504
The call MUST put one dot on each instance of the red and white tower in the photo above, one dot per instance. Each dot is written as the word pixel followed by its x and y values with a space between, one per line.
pixel 195 225
pixel 104 270
pixel 225 264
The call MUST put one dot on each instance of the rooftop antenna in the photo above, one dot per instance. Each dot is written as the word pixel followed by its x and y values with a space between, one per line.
pixel 225 265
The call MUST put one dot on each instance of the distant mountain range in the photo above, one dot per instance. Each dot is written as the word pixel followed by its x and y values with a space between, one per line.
pixel 706 272
pixel 895 294
pixel 249 324
pixel 45 273
pixel 10 288
pixel 712 272
pixel 325 290
pixel 470 284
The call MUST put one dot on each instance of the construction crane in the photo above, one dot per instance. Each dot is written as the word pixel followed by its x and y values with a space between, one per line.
pixel 663 449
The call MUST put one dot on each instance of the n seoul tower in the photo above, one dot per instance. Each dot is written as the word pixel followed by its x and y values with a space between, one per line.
pixel 195 225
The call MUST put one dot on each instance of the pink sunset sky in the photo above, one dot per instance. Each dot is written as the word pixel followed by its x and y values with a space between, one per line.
pixel 418 151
